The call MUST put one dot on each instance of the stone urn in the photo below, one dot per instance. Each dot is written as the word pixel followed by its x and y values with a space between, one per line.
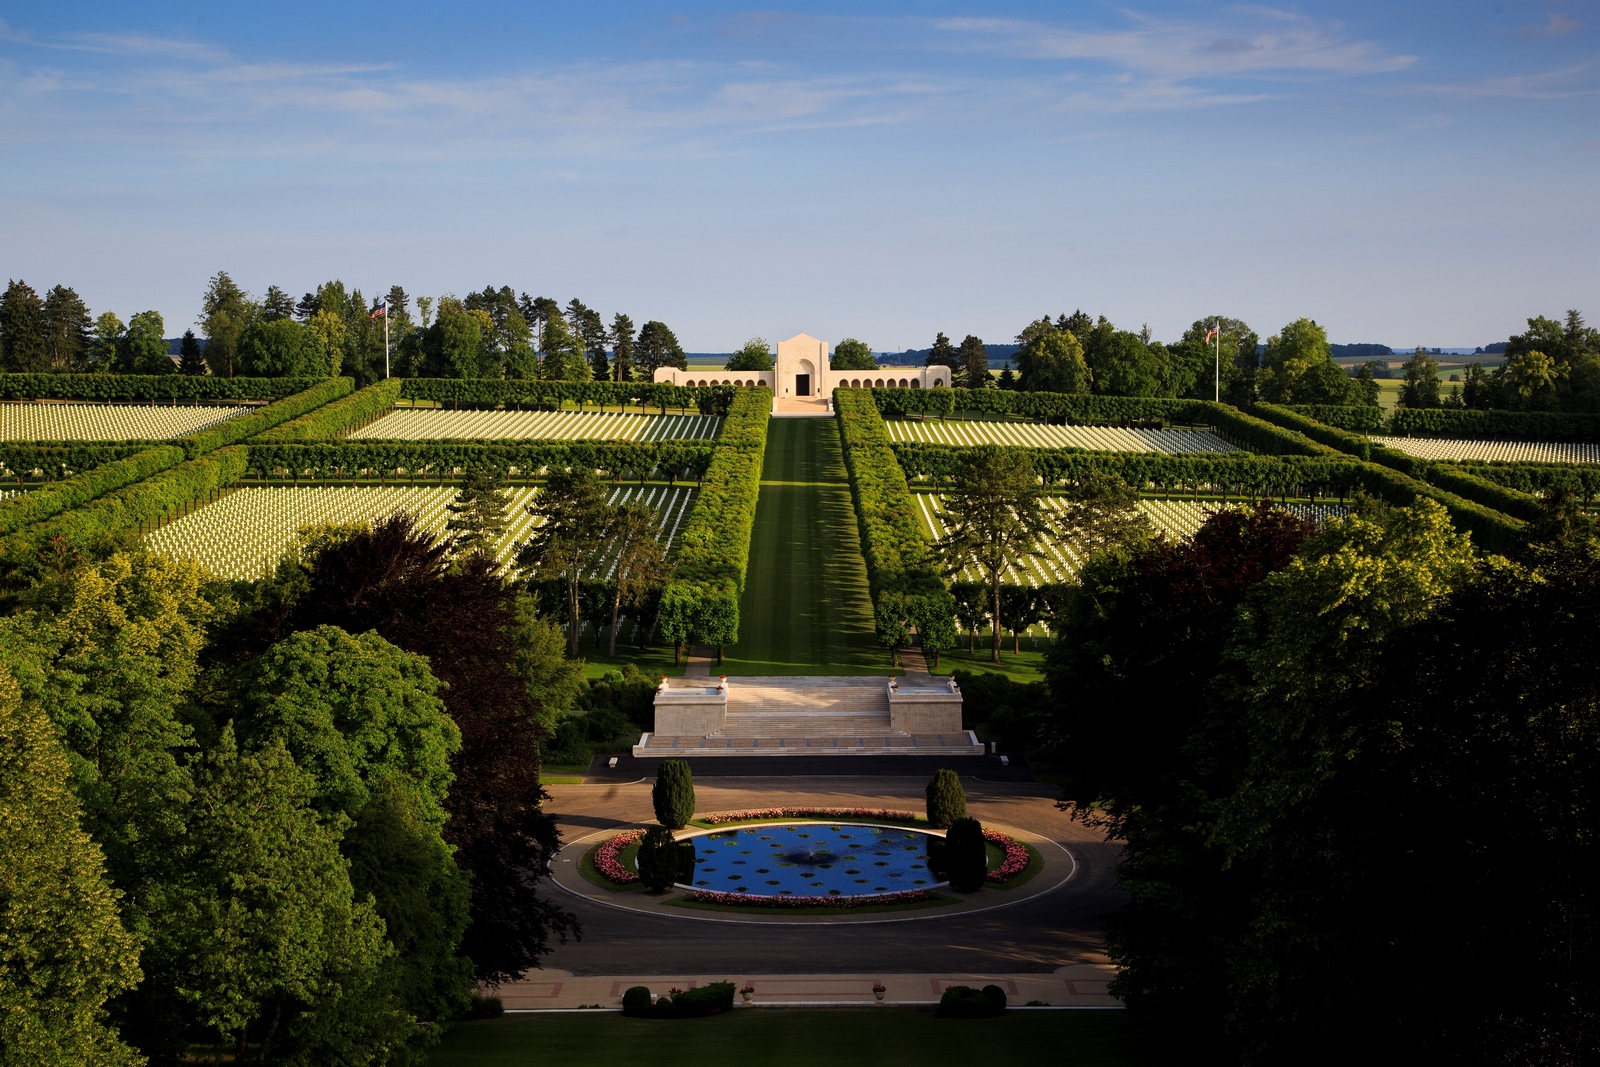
pixel 877 992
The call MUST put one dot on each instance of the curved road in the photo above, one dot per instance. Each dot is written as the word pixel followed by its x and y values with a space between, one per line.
pixel 1040 934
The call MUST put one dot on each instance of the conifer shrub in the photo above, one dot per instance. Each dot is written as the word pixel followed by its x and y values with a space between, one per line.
pixel 658 859
pixel 947 801
pixel 965 859
pixel 673 794
pixel 636 1001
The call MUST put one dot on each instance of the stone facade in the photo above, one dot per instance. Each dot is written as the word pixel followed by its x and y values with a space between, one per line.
pixel 801 371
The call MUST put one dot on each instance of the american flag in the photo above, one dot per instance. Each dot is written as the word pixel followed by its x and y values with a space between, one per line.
pixel 381 309
pixel 1213 332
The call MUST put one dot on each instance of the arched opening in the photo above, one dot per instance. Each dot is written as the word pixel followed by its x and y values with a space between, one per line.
pixel 938 383
pixel 915 384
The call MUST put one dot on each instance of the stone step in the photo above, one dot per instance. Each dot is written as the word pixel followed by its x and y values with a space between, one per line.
pixel 881 744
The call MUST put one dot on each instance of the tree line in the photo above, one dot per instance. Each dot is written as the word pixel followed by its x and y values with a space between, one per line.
pixel 334 330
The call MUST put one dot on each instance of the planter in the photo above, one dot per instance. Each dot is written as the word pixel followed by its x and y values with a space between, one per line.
pixel 878 995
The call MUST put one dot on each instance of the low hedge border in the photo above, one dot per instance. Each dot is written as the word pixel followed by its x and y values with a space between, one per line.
pixel 621 459
pixel 339 417
pixel 1532 478
pixel 147 387
pixel 1363 418
pixel 493 393
pixel 54 498
pixel 907 588
pixel 1496 425
pixel 701 600
pixel 1081 407
pixel 274 414
pixel 77 457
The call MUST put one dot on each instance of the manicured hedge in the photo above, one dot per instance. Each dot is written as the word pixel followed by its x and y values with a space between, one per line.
pixel 1535 478
pixel 147 387
pixel 1362 418
pixel 701 601
pixel 340 417
pixel 75 456
pixel 96 526
pixel 1495 425
pixel 1467 483
pixel 235 430
pixel 339 460
pixel 1077 407
pixel 907 589
pixel 495 392
pixel 56 497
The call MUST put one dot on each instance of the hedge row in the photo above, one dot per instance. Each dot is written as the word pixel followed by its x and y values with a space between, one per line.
pixel 1534 478
pixel 56 497
pixel 1079 407
pixel 274 414
pixel 495 392
pixel 147 387
pixel 1485 499
pixel 340 417
pixel 1467 483
pixel 96 526
pixel 701 601
pixel 1234 472
pixel 1495 425
pixel 74 456
pixel 343 459
pixel 907 589
pixel 1363 418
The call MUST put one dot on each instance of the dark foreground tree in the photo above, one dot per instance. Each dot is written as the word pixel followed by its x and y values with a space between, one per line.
pixel 673 794
pixel 571 540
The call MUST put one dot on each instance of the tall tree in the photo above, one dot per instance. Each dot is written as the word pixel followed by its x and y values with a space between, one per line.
pixel 994 519
pixel 63 950
pixel 973 359
pixel 24 348
pixel 1299 368
pixel 571 539
pixel 190 360
pixel 943 353
pixel 68 329
pixel 659 347
pixel 641 562
pixel 1051 360
pixel 851 354
pixel 624 349
pixel 107 341
pixel 754 355
pixel 478 518
pixel 224 313
pixel 284 348
pixel 563 353
pixel 590 330
pixel 277 304
pixel 144 347
pixel 1101 512
pixel 1422 381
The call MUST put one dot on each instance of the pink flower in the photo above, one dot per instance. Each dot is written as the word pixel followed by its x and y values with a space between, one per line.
pixel 812 813
pixel 1016 856
pixel 607 863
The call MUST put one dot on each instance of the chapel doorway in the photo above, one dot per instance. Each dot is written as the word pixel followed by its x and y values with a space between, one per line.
pixel 802 385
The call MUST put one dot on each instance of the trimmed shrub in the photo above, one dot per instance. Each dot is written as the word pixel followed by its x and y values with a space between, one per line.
pixel 147 387
pixel 346 459
pixel 701 602
pixel 965 859
pixel 1362 418
pixel 947 801
pixel 713 998
pixel 658 858
pixel 281 411
pixel 907 589
pixel 636 1000
pixel 50 500
pixel 341 416
pixel 1495 425
pixel 497 392
pixel 964 1002
pixel 673 794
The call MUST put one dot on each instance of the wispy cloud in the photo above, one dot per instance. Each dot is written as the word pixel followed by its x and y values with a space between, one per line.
pixel 1556 25
pixel 1565 82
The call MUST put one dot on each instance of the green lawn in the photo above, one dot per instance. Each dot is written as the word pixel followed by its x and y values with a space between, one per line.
pixel 806 608
pixel 806 1038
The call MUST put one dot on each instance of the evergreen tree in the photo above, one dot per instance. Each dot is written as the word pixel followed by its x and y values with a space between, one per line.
pixel 571 540
pixel 657 859
pixel 672 796
pixel 63 950
pixel 277 304
pixel 965 858
pixel 942 354
pixel 590 330
pixel 658 347
pixel 23 345
pixel 973 360
pixel 624 349
pixel 563 353
pixel 478 517
pixel 68 329
pixel 225 312
pixel 106 342
pixel 190 361
pixel 947 801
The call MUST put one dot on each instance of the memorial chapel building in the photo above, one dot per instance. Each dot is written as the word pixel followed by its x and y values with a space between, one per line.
pixel 801 373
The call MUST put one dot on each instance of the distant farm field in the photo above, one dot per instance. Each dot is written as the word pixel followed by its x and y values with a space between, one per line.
pixel 1036 435
pixel 1175 518
pixel 436 425
pixel 108 422
pixel 1488 451
pixel 245 533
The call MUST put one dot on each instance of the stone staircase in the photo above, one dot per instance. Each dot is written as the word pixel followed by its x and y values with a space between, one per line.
pixel 808 716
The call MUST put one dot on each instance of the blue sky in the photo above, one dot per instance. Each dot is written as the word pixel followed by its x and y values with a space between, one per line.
pixel 1402 172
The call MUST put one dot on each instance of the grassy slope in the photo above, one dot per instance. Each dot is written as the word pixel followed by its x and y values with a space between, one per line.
pixel 806 609
pixel 874 1036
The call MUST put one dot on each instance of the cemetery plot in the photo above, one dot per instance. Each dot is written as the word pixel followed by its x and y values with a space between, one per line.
pixel 1036 435
pixel 436 425
pixel 1488 451
pixel 1175 518
pixel 244 534
pixel 108 422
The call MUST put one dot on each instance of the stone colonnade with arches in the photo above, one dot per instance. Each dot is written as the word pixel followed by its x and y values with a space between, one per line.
pixel 801 371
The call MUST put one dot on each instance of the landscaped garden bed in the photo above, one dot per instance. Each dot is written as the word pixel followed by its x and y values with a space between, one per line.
pixel 726 818
pixel 610 863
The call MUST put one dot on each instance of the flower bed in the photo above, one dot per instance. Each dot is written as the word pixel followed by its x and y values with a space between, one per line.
pixel 606 859
pixel 750 900
pixel 1016 856
pixel 806 813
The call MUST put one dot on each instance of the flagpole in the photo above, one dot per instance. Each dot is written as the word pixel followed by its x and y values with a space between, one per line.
pixel 1217 380
pixel 386 340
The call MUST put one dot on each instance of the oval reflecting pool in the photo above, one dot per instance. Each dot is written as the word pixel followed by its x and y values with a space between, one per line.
pixel 812 860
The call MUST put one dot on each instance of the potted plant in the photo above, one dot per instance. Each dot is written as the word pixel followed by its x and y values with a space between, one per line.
pixel 878 991
pixel 747 992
